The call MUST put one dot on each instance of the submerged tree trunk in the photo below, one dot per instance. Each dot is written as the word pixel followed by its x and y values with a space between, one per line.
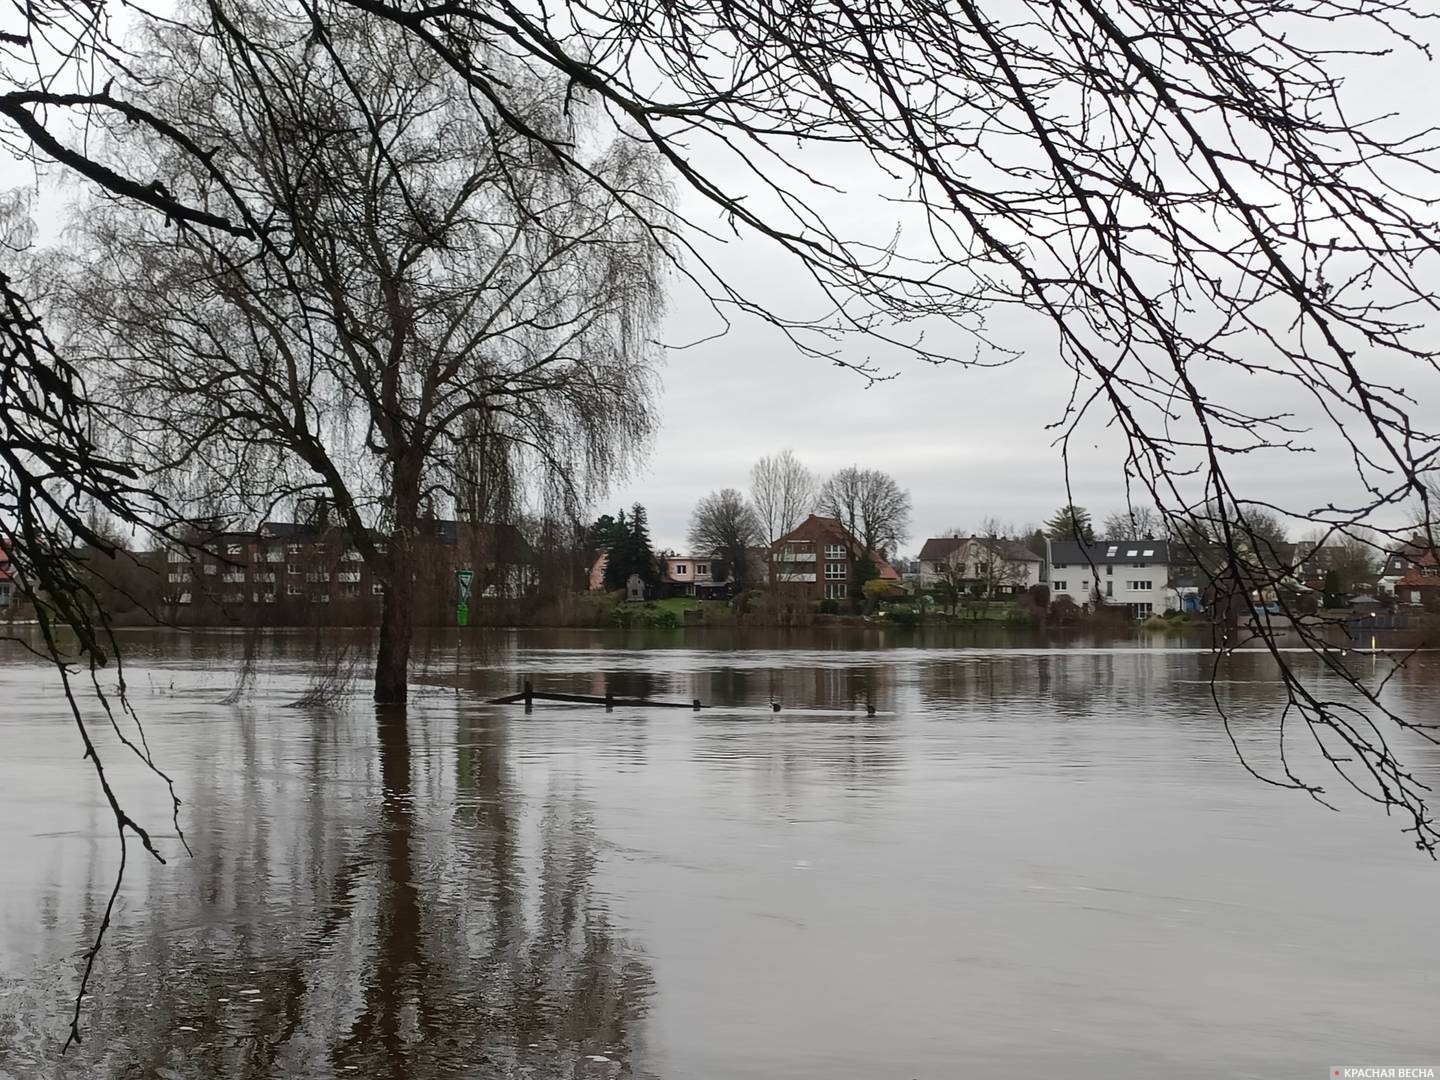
pixel 397 624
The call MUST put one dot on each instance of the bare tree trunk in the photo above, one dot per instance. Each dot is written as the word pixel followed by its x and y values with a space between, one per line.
pixel 397 624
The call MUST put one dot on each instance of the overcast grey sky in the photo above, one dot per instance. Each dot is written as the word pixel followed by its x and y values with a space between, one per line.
pixel 968 444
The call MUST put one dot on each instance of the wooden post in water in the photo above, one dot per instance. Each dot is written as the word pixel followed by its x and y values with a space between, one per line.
pixel 609 701
pixel 695 704
pixel 529 696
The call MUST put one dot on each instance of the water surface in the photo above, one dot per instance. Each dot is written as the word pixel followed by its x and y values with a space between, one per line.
pixel 1030 861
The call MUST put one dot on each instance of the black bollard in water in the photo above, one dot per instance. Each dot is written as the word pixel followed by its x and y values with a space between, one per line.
pixel 609 701
pixel 695 704
pixel 529 696
pixel 869 709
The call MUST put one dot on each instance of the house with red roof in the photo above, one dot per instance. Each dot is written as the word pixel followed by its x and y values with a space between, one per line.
pixel 818 560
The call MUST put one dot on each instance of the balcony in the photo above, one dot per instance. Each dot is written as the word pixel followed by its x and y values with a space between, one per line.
pixel 792 578
pixel 235 577
pixel 264 575
pixel 176 579
pixel 275 556
pixel 318 575
pixel 795 556
pixel 351 555
pixel 348 576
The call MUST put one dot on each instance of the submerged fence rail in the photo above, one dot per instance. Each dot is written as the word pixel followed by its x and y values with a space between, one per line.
pixel 528 696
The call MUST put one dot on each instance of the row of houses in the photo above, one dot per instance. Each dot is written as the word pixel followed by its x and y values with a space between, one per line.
pixel 287 573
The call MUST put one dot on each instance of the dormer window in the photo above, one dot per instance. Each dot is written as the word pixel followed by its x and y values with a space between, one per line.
pixel 1132 553
pixel 1110 551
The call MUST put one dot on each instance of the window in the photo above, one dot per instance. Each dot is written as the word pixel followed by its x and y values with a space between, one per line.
pixel 293 589
pixel 835 590
pixel 319 549
pixel 681 569
pixel 377 589
pixel 1137 586
pixel 211 568
pixel 1109 570
pixel 180 556
pixel 350 590
pixel 319 597
pixel 835 571
pixel 1110 551
pixel 702 568
pixel 1141 610
pixel 293 568
pixel 234 549
pixel 1058 586
pixel 1132 553
pixel 1109 588
pixel 1138 565
pixel 233 598
pixel 1058 566
pixel 1148 552
pixel 267 598
pixel 184 598
pixel 292 549
pixel 834 551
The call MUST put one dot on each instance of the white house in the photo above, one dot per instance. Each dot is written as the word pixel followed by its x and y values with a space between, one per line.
pixel 990 565
pixel 1134 574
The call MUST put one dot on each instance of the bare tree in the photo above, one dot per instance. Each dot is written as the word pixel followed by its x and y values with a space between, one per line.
pixel 782 491
pixel 724 525
pixel 453 312
pixel 1133 523
pixel 999 559
pixel 1177 186
pixel 870 504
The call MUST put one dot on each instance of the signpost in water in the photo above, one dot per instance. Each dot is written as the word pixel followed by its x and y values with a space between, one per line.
pixel 462 609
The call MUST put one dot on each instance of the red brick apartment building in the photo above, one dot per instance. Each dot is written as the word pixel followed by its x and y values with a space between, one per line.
pixel 290 574
pixel 816 561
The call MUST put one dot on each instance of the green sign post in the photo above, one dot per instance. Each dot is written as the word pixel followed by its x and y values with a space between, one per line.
pixel 462 609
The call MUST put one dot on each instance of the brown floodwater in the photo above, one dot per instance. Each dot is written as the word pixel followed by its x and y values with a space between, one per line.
pixel 1035 859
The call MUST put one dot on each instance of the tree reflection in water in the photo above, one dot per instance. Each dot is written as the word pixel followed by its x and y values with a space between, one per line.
pixel 424 935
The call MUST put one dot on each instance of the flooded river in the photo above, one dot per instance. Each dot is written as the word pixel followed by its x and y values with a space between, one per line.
pixel 1039 861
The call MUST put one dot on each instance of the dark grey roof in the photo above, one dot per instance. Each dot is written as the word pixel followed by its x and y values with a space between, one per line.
pixel 942 547
pixel 1066 552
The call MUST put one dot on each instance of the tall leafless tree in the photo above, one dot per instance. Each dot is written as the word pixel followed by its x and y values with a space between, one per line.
pixel 1177 185
pixel 724 525
pixel 1134 522
pixel 451 313
pixel 782 491
pixel 870 504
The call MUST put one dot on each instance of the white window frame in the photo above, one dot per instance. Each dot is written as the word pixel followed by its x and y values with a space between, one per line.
pixel 292 549
pixel 234 549
pixel 835 551
pixel 294 589
pixel 1140 586
pixel 1060 586
pixel 836 571
pixel 836 590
